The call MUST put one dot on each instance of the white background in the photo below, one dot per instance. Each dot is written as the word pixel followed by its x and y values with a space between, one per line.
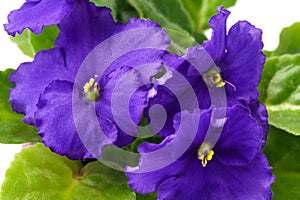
pixel 269 15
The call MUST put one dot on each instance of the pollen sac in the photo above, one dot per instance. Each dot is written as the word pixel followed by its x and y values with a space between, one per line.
pixel 91 90
pixel 213 78
pixel 205 153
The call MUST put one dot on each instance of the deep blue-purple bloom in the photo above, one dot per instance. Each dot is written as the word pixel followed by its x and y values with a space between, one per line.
pixel 232 61
pixel 234 168
pixel 35 14
pixel 44 87
pixel 237 55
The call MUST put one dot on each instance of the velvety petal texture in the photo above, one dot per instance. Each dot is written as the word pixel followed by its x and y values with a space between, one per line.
pixel 244 60
pixel 56 124
pixel 35 14
pixel 237 56
pixel 168 100
pixel 218 181
pixel 45 88
pixel 216 46
pixel 260 113
pixel 32 78
pixel 92 24
pixel 102 77
pixel 241 138
pixel 237 169
pixel 193 76
pixel 174 94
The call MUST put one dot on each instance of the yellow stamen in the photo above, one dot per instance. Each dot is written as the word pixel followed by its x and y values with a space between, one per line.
pixel 91 90
pixel 205 154
pixel 92 81
pixel 220 84
pixel 217 78
pixel 214 78
pixel 209 156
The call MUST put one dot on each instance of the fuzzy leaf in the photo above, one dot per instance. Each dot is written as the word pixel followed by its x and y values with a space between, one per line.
pixel 31 43
pixel 280 91
pixel 282 150
pixel 289 42
pixel 202 10
pixel 38 174
pixel 169 14
pixel 12 129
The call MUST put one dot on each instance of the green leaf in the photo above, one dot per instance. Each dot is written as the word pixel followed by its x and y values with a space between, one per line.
pixel 118 158
pixel 289 42
pixel 112 4
pixel 282 150
pixel 190 16
pixel 38 174
pixel 185 20
pixel 151 196
pixel 125 11
pixel 180 41
pixel 267 53
pixel 136 5
pixel 12 128
pixel 202 10
pixel 170 14
pixel 121 9
pixel 280 91
pixel 31 43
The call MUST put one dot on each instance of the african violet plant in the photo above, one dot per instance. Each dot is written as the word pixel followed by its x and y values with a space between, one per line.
pixel 129 100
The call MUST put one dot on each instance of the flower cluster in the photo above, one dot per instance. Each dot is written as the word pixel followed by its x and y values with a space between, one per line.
pixel 44 87
pixel 214 127
pixel 220 163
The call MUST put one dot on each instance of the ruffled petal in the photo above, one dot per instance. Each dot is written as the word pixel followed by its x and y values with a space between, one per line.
pixel 108 46
pixel 186 178
pixel 251 181
pixel 32 78
pixel 244 61
pixel 58 129
pixel 238 56
pixel 116 104
pixel 217 44
pixel 219 181
pixel 159 162
pixel 124 91
pixel 36 14
pixel 148 182
pixel 192 74
pixel 260 113
pixel 92 24
pixel 182 89
pixel 163 97
pixel 189 184
pixel 241 138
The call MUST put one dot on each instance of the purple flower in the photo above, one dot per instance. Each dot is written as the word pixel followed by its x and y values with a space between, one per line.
pixel 35 14
pixel 46 87
pixel 233 168
pixel 232 62
pixel 237 58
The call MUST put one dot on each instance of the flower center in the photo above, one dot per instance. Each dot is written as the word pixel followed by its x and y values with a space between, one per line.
pixel 91 90
pixel 205 153
pixel 214 78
